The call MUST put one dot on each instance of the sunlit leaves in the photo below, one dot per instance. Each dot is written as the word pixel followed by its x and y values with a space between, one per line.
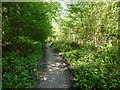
pixel 26 25
pixel 91 21
pixel 94 27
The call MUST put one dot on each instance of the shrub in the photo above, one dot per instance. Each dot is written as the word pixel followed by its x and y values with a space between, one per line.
pixel 22 70
pixel 96 68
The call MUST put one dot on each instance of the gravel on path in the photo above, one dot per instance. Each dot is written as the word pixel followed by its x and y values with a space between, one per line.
pixel 55 71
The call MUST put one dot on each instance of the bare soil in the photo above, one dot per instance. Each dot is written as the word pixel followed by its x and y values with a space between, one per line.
pixel 55 71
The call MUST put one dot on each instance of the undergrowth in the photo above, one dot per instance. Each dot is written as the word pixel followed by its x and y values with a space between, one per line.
pixel 93 67
pixel 21 64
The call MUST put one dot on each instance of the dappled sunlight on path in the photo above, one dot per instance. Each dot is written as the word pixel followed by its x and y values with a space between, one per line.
pixel 55 71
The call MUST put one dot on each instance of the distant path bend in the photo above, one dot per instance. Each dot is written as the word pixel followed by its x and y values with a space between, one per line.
pixel 55 71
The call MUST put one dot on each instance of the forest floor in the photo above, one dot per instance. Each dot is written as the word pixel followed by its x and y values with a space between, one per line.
pixel 55 71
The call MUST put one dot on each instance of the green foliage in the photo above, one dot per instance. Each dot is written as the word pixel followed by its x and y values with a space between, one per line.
pixel 65 46
pixel 21 70
pixel 24 19
pixel 88 40
pixel 93 68
pixel 25 27
pixel 61 46
pixel 90 22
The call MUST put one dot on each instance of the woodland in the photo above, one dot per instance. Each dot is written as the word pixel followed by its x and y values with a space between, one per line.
pixel 87 37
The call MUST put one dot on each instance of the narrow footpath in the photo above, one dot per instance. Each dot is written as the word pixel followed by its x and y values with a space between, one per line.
pixel 55 71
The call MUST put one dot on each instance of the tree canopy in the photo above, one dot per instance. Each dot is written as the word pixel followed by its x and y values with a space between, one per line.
pixel 86 34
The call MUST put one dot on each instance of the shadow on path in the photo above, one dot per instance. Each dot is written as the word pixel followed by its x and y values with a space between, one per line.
pixel 55 71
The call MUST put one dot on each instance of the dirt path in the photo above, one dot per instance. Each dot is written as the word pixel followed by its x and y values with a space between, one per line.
pixel 55 71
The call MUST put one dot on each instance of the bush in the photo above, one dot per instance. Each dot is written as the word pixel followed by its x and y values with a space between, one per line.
pixel 22 70
pixel 96 68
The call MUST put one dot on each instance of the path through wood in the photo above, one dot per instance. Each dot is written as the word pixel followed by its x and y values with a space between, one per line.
pixel 55 71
